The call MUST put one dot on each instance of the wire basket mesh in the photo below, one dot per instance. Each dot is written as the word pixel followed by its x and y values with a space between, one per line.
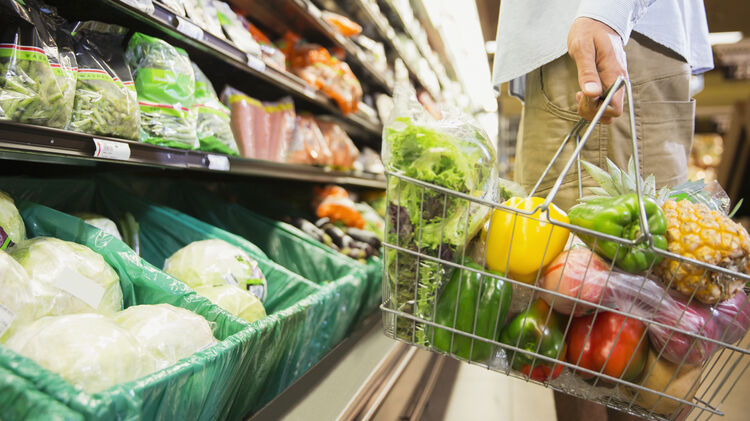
pixel 576 322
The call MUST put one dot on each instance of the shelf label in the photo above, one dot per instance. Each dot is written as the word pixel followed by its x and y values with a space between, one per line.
pixel 6 318
pixel 111 149
pixel 256 63
pixel 189 28
pixel 80 287
pixel 218 162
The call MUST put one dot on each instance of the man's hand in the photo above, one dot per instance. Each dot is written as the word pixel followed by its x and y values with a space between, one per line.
pixel 600 57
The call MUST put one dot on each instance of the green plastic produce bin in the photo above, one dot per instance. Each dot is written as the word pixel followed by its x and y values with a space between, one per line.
pixel 306 319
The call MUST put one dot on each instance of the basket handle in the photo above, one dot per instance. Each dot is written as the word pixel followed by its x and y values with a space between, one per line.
pixel 581 142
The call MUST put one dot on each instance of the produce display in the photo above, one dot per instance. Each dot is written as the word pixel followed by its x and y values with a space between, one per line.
pixel 212 118
pixel 12 228
pixel 101 222
pixel 235 300
pixel 22 297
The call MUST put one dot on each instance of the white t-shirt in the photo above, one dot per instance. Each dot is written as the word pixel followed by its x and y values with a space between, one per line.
pixel 531 33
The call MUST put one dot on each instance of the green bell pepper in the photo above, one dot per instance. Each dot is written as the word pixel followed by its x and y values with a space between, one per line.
pixel 458 301
pixel 619 216
pixel 537 330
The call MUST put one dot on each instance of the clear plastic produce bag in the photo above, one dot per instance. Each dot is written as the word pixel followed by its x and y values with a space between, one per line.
pixel 165 83
pixel 37 65
pixel 344 152
pixel 453 153
pixel 106 102
pixel 308 146
pixel 213 121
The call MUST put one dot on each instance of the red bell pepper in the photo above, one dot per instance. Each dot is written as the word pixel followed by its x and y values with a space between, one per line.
pixel 622 356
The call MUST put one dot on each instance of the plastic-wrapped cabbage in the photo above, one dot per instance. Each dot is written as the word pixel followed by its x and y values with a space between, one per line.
pixel 105 224
pixel 84 282
pixel 216 262
pixel 166 332
pixel 453 153
pixel 22 299
pixel 235 300
pixel 10 222
pixel 88 350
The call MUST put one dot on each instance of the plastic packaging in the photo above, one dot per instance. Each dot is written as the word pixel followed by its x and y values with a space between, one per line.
pixel 342 24
pixel 12 228
pixel 22 299
pixel 579 273
pixel 37 65
pixel 167 333
pixel 453 153
pixel 88 350
pixel 248 119
pixel 234 26
pixel 106 102
pixel 271 54
pixel 370 161
pixel 333 202
pixel 315 65
pixel 281 119
pixel 235 300
pixel 342 147
pixel 101 222
pixel 146 6
pixel 203 14
pixel 175 6
pixel 216 262
pixel 165 83
pixel 212 118
pixel 308 146
pixel 82 280
pixel 712 195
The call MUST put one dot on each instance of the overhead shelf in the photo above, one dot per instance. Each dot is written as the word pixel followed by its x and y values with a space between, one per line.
pixel 184 33
pixel 23 142
pixel 386 32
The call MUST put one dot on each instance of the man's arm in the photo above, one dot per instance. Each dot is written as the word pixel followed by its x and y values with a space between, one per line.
pixel 596 43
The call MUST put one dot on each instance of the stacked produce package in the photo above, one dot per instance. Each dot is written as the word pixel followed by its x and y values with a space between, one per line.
pixel 638 292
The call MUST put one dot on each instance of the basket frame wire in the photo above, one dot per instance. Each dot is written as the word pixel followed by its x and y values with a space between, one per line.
pixel 582 130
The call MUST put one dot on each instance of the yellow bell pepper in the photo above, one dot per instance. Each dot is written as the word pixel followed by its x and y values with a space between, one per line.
pixel 525 241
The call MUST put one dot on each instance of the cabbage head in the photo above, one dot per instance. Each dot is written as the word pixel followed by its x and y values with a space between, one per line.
pixel 22 299
pixel 83 280
pixel 103 223
pixel 166 332
pixel 216 262
pixel 10 220
pixel 89 350
pixel 235 300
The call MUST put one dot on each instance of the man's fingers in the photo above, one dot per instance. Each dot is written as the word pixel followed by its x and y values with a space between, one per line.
pixel 588 107
pixel 584 55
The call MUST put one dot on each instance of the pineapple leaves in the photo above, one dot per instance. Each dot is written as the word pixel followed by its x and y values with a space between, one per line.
pixel 602 178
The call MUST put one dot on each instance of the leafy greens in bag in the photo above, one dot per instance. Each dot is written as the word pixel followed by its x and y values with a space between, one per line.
pixel 452 153
pixel 37 65
pixel 214 131
pixel 165 83
pixel 106 102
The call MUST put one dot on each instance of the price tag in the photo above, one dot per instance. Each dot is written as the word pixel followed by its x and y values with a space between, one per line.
pixel 189 28
pixel 80 287
pixel 218 162
pixel 256 63
pixel 6 318
pixel 111 149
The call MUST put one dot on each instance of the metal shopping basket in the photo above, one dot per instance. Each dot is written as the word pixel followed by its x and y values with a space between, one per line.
pixel 415 277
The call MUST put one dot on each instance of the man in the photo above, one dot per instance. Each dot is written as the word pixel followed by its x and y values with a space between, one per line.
pixel 656 44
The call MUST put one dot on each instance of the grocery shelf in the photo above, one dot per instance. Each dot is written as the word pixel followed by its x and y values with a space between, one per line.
pixel 185 34
pixel 307 19
pixel 23 142
pixel 387 33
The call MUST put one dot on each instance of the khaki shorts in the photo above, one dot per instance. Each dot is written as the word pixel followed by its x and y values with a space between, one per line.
pixel 664 114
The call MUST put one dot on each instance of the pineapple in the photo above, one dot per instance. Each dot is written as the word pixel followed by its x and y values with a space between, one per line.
pixel 693 231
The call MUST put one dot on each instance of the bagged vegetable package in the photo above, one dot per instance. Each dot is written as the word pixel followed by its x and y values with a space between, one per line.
pixel 234 26
pixel 106 102
pixel 203 14
pixel 308 145
pixel 37 65
pixel 165 83
pixel 213 122
pixel 341 145
pixel 452 153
